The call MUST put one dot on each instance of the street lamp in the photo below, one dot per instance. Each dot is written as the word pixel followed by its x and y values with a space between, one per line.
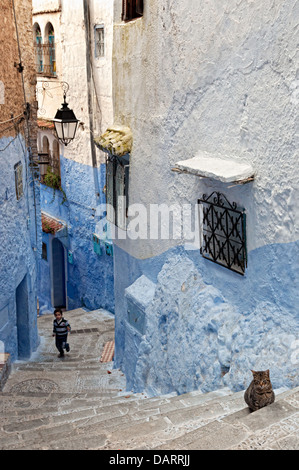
pixel 65 123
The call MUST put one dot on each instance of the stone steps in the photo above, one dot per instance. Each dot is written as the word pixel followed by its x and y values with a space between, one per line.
pixel 106 419
pixel 56 404
pixel 170 423
pixel 79 403
pixel 273 427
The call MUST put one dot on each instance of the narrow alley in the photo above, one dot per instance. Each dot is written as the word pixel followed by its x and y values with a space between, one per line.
pixel 149 191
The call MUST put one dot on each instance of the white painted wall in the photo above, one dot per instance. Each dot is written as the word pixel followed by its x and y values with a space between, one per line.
pixel 218 77
pixel 49 91
pixel 102 14
pixel 39 6
pixel 71 68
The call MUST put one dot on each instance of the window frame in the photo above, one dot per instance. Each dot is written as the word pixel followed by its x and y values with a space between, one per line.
pixel 52 52
pixel 116 167
pixel 39 55
pixel 223 232
pixel 132 9
pixel 18 171
pixel 99 43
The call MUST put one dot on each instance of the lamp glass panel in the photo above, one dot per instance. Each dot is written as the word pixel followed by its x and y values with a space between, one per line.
pixel 59 130
pixel 69 129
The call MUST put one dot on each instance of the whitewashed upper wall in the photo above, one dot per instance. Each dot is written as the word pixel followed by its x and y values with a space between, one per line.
pixel 41 6
pixel 71 67
pixel 74 72
pixel 219 77
pixel 101 12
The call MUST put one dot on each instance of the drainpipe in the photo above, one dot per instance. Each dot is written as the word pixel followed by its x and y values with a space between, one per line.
pixel 86 11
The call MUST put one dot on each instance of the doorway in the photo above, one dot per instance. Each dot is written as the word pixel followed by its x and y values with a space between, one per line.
pixel 58 274
pixel 22 313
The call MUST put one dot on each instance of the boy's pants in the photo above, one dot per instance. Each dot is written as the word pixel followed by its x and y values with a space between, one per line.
pixel 61 342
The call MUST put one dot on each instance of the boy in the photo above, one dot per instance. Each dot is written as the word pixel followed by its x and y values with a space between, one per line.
pixel 61 328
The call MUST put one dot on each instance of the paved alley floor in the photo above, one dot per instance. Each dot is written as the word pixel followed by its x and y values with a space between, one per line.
pixel 78 370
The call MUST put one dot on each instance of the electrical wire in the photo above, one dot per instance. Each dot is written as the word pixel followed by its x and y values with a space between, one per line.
pixel 15 126
pixel 11 127
pixel 12 119
pixel 9 143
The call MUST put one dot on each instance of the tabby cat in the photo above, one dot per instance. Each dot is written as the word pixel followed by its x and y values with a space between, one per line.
pixel 260 392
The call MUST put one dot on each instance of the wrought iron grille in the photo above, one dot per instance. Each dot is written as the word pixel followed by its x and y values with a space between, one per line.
pixel 224 232
pixel 45 59
pixel 117 189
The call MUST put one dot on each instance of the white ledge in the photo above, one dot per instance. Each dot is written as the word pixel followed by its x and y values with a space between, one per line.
pixel 209 166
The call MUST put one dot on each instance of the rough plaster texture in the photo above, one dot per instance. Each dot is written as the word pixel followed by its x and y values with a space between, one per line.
pixel 205 328
pixel 20 219
pixel 10 78
pixel 220 79
pixel 17 257
pixel 217 78
pixel 46 6
pixel 12 88
pixel 18 238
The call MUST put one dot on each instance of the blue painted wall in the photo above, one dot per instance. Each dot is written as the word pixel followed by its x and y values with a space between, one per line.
pixel 20 244
pixel 90 278
pixel 205 326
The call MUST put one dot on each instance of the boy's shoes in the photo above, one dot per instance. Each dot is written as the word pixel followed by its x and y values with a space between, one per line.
pixel 67 347
pixel 61 355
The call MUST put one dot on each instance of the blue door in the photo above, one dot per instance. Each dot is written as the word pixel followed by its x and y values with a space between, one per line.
pixel 22 310
pixel 58 274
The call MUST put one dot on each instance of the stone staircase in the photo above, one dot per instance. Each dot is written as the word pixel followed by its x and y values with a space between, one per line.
pixel 79 403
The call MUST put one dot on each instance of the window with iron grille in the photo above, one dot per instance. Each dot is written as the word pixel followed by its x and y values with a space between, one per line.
pixel 117 190
pixel 39 55
pixel 52 54
pixel 132 9
pixel 18 169
pixel 223 232
pixel 99 36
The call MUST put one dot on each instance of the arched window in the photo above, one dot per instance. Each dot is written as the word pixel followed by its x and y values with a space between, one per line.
pixel 46 147
pixel 38 48
pixel 50 51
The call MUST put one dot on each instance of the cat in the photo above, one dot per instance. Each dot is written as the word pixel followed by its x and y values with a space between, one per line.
pixel 260 392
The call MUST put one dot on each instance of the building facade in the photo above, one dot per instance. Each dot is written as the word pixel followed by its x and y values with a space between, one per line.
pixel 76 268
pixel 206 252
pixel 20 239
